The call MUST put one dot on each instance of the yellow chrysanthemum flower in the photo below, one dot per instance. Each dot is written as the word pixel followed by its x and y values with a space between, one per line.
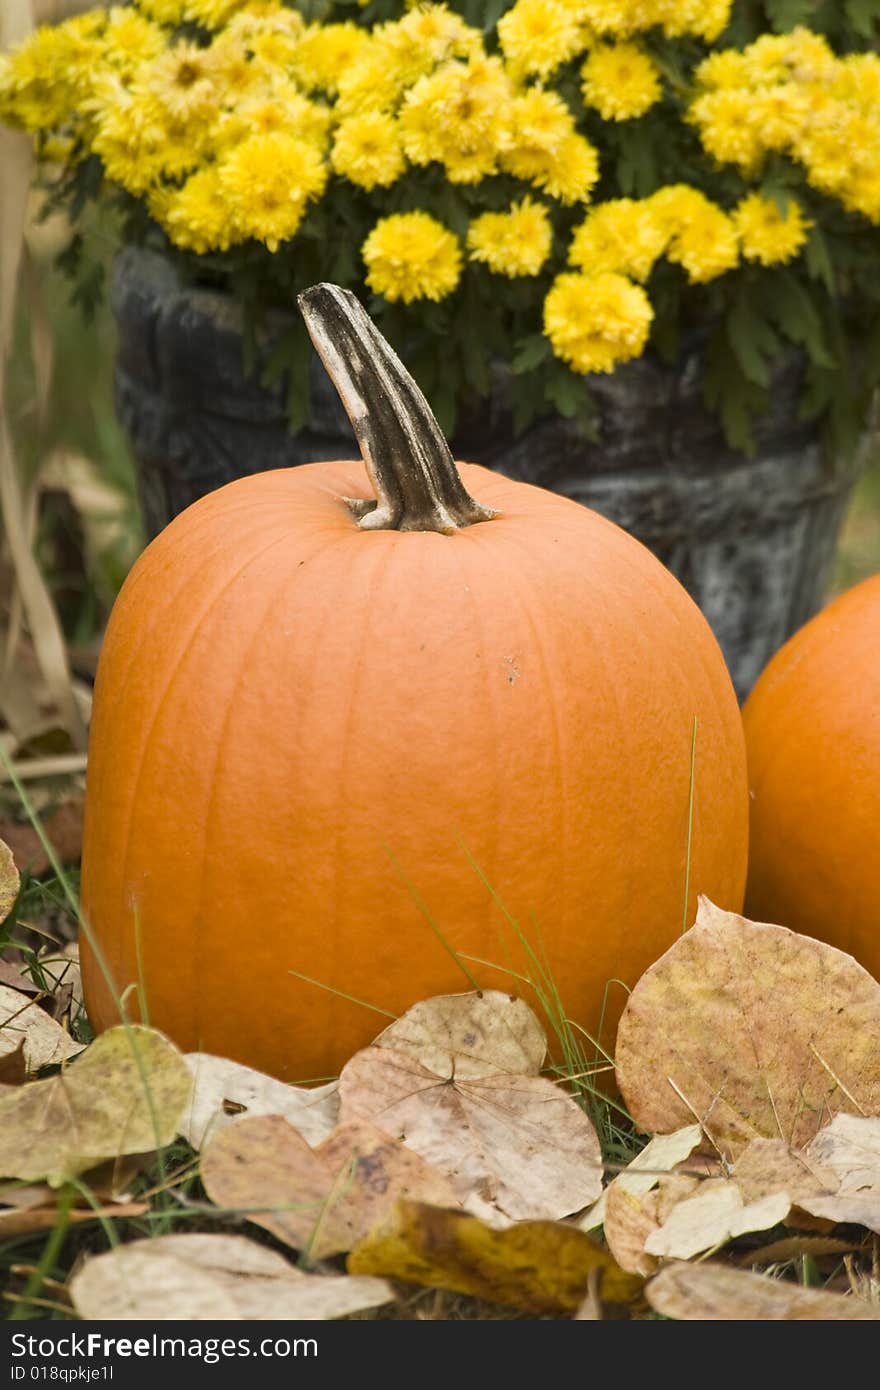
pixel 268 181
pixel 46 76
pixel 726 129
pixel 620 81
pixel 264 17
pixel 841 155
pixel 856 80
pixel 371 83
pixel 622 235
pixel 169 12
pixel 367 150
pixel 277 51
pixel 571 171
pixel 277 108
pixel 778 115
pixel 540 123
pixel 862 192
pixel 674 205
pixel 137 148
pixel 325 52
pixel 181 81
pixel 825 151
pixel 808 56
pixel 197 216
pixel 428 35
pixel 704 242
pixel 619 18
pixel 704 18
pixel 596 321
pixel 412 256
pixel 129 38
pixel 213 14
pixel 728 68
pixel 766 60
pixel 233 70
pixel 512 243
pixel 537 36
pixel 458 116
pixel 765 233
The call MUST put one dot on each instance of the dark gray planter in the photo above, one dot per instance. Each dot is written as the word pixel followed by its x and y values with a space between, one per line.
pixel 751 539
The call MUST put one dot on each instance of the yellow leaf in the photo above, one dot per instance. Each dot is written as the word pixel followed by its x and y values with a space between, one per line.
pixel 539 1266
pixel 753 1031
pixel 124 1094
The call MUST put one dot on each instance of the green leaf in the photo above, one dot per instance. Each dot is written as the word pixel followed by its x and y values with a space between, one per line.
pixel 290 358
pixel 793 310
pixel 818 259
pixel 731 394
pixel 787 14
pixel 443 403
pixel 752 339
pixel 871 355
pixel 530 352
pixel 863 15
pixel 571 396
pixel 528 398
pixel 636 163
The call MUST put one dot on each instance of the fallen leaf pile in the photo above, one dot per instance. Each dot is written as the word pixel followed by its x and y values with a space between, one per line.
pixel 445 1158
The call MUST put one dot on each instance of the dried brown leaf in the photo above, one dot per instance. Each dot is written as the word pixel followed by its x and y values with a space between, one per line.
pixel 318 1200
pixel 22 1022
pixel 849 1147
pixel 752 1030
pixel 9 881
pixel 715 1293
pixel 519 1143
pixel 712 1217
pixel 847 1208
pixel 541 1266
pixel 468 1036
pixel 663 1153
pixel 124 1094
pixel 59 966
pixel 631 1217
pixel 13 977
pixel 204 1277
pixel 225 1091
pixel 22 1223
pixel 768 1165
pixel 13 1067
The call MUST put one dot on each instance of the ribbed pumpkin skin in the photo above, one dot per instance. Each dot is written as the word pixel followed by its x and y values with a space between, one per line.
pixel 301 727
pixel 813 737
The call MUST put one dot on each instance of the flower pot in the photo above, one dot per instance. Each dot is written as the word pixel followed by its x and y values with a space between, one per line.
pixel 752 539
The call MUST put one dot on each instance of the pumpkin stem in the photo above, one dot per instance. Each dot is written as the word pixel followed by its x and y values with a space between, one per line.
pixel 417 485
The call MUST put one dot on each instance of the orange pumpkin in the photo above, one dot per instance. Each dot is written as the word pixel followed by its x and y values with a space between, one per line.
pixel 813 737
pixel 345 741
